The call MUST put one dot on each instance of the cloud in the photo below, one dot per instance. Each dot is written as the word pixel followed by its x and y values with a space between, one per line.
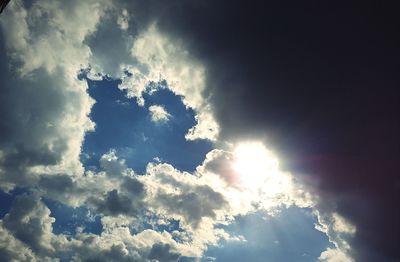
pixel 164 192
pixel 11 249
pixel 28 233
pixel 30 222
pixel 46 108
pixel 242 78
pixel 340 232
pixel 274 188
pixel 159 114
pixel 168 60
pixel 161 252
pixel 165 59
pixel 144 58
pixel 44 105
pixel 124 200
pixel 114 191
pixel 28 229
pixel 334 255
pixel 183 196
pixel 206 127
pixel 55 40
pixel 219 162
pixel 123 20
pixel 321 96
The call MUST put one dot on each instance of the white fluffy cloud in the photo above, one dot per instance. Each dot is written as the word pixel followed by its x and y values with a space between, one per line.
pixel 334 255
pixel 159 114
pixel 125 199
pixel 162 59
pixel 27 236
pixel 119 195
pixel 45 105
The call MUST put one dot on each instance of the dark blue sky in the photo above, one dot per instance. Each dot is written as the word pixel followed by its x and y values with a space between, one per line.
pixel 126 127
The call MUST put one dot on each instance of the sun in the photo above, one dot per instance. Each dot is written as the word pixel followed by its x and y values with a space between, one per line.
pixel 254 164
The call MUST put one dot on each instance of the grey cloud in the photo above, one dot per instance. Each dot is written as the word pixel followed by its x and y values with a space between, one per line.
pixel 30 134
pixel 29 222
pixel 114 254
pixel 162 252
pixel 127 194
pixel 115 203
pixel 113 191
pixel 110 46
pixel 194 205
pixel 219 162
pixel 175 193
pixel 132 186
pixel 113 166
pixel 12 249
pixel 57 184
pixel 26 235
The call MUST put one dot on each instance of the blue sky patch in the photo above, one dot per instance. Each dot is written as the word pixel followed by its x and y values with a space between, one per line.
pixel 289 236
pixel 69 219
pixel 126 127
pixel 7 199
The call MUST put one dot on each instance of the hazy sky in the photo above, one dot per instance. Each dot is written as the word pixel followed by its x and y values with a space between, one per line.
pixel 198 131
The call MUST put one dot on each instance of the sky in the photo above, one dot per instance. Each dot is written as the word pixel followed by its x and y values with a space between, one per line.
pixel 198 131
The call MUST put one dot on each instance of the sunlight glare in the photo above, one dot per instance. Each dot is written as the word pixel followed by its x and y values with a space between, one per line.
pixel 254 164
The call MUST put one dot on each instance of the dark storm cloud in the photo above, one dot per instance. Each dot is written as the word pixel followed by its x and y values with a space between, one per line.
pixel 318 82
